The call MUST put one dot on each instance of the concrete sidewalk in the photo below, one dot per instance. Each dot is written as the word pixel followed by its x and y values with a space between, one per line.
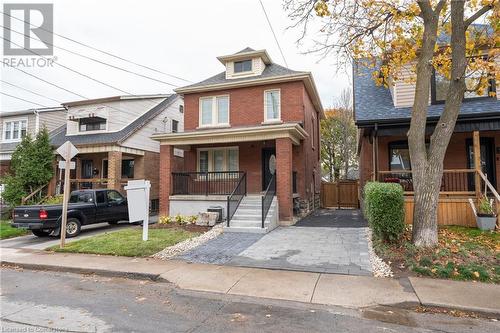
pixel 317 288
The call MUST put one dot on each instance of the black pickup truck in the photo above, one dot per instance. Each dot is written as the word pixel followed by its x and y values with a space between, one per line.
pixel 85 207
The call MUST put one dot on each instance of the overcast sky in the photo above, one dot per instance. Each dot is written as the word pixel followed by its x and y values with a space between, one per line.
pixel 178 37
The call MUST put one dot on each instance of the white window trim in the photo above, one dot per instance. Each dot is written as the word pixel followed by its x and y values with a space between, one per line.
pixel 172 125
pixel 273 120
pixel 211 158
pixel 215 112
pixel 235 73
pixel 13 120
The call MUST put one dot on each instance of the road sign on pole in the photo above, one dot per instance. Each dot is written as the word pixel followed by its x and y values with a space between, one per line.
pixel 67 150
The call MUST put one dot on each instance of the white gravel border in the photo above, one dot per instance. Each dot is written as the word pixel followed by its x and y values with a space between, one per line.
pixel 380 268
pixel 188 244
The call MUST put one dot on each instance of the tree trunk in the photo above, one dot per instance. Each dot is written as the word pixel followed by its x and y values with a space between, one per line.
pixel 427 165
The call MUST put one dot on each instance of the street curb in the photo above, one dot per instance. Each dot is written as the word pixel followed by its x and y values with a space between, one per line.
pixel 100 272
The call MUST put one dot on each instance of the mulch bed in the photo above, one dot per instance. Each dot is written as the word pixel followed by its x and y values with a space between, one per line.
pixel 187 227
pixel 462 254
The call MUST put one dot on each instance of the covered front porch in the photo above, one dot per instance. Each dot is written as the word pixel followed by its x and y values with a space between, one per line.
pixel 106 167
pixel 471 170
pixel 223 167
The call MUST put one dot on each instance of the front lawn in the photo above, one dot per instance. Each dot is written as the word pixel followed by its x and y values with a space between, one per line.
pixel 127 242
pixel 462 254
pixel 6 231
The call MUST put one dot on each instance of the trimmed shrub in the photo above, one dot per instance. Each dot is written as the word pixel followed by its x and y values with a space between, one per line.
pixel 384 209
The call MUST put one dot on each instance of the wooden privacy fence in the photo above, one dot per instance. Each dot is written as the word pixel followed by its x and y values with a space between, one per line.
pixel 341 194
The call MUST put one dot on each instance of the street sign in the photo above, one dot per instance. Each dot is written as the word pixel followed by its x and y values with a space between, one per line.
pixel 64 148
pixel 62 165
pixel 67 150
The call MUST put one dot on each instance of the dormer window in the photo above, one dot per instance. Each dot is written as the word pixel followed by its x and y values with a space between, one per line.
pixel 92 124
pixel 243 66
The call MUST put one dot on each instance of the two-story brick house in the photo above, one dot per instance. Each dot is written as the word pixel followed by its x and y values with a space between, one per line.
pixel 383 118
pixel 113 136
pixel 254 125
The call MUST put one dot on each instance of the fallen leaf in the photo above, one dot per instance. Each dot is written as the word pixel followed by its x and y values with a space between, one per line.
pixel 476 274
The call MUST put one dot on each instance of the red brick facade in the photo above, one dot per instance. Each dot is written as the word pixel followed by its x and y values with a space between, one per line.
pixel 246 108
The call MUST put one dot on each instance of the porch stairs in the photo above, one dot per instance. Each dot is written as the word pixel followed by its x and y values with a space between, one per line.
pixel 248 216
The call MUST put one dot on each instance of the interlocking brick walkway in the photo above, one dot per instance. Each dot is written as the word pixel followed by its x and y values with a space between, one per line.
pixel 328 241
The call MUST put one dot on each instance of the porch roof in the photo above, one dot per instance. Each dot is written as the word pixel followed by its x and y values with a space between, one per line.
pixel 293 131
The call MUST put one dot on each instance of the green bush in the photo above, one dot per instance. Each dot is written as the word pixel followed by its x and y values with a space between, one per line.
pixel 384 209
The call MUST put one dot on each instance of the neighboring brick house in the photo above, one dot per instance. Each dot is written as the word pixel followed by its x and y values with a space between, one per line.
pixel 113 138
pixel 239 126
pixel 14 125
pixel 383 118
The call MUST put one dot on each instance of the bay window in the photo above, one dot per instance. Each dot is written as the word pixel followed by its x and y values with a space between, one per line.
pixel 214 111
pixel 272 105
pixel 218 159
pixel 14 130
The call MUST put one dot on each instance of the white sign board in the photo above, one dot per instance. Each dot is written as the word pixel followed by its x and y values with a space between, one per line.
pixel 138 203
pixel 67 148
pixel 62 165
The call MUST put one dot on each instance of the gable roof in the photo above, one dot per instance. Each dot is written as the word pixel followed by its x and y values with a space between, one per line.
pixel 118 137
pixel 374 103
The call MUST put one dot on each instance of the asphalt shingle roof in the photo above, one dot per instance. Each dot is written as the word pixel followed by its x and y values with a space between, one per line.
pixel 116 137
pixel 374 103
pixel 270 71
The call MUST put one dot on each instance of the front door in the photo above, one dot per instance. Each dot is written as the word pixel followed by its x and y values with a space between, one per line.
pixel 268 166
pixel 487 160
pixel 87 172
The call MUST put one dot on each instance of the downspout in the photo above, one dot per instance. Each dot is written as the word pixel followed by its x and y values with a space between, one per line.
pixel 375 152
pixel 37 121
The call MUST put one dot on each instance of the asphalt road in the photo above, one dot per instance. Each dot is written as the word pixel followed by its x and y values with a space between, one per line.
pixel 32 242
pixel 35 301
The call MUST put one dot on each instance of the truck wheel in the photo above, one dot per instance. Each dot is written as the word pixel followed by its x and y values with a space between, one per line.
pixel 73 227
pixel 41 233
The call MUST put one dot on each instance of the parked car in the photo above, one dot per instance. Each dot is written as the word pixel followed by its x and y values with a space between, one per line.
pixel 85 207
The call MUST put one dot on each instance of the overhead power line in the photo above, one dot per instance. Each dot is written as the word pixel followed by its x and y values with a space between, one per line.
pixel 30 91
pixel 22 99
pixel 272 30
pixel 101 51
pixel 70 69
pixel 99 61
pixel 50 83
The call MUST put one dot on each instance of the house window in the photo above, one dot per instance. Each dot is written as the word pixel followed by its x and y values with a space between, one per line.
pixel 218 159
pixel 92 124
pixel 243 66
pixel 440 83
pixel 399 156
pixel 175 126
pixel 313 131
pixel 214 111
pixel 127 168
pixel 181 108
pixel 14 130
pixel 272 105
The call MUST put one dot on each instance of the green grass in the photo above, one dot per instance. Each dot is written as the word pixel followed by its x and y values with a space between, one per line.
pixel 127 242
pixel 6 231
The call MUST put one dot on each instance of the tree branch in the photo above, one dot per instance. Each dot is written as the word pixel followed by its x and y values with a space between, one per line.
pixel 477 15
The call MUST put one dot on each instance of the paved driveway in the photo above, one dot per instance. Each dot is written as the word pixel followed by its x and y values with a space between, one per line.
pixel 329 241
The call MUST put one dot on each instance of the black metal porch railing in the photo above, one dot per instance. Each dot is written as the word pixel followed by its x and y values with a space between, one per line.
pixel 234 199
pixel 267 198
pixel 205 183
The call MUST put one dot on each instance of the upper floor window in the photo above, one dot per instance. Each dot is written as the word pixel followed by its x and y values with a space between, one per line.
pixel 181 108
pixel 14 130
pixel 243 66
pixel 214 111
pixel 175 126
pixel 92 124
pixel 272 105
pixel 439 86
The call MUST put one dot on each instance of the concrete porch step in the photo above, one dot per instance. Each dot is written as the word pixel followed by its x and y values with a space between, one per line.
pixel 247 224
pixel 248 229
